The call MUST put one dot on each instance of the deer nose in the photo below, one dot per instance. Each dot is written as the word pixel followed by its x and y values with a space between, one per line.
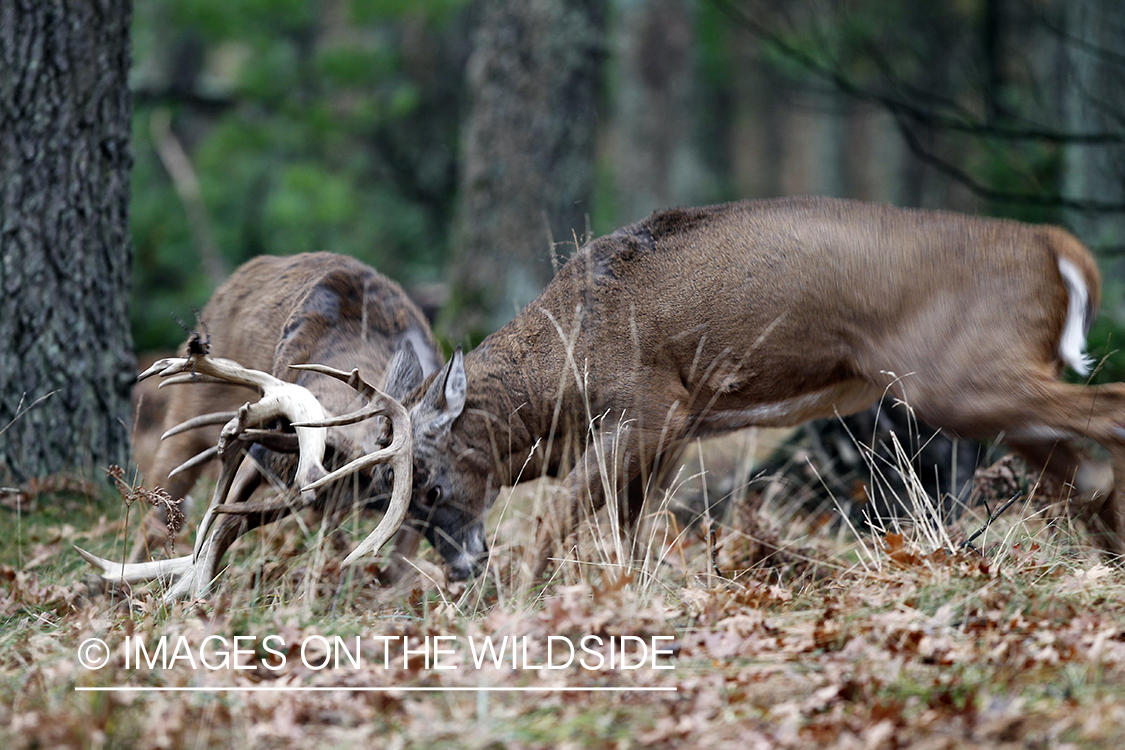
pixel 471 558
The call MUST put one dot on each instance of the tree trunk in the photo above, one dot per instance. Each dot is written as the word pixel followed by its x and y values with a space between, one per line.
pixel 527 156
pixel 66 363
pixel 656 159
pixel 1095 91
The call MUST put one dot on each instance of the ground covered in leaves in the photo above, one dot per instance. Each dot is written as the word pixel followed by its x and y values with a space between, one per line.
pixel 754 637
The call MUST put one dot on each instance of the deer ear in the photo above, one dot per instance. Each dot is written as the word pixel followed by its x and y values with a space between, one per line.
pixel 456 384
pixel 445 399
pixel 404 373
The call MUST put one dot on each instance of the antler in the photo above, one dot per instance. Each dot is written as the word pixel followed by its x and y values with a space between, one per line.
pixel 399 454
pixel 193 573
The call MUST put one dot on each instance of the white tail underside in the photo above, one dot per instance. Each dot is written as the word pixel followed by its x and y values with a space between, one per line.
pixel 1072 345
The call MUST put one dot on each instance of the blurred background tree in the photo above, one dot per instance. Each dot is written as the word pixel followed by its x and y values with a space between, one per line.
pixel 458 145
pixel 282 126
pixel 527 155
pixel 363 126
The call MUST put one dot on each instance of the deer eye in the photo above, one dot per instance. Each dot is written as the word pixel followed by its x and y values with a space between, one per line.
pixel 433 495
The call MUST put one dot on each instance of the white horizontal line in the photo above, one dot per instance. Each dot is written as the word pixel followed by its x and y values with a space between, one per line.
pixel 365 689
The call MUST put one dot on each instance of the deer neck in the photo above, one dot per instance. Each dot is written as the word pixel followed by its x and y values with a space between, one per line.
pixel 518 403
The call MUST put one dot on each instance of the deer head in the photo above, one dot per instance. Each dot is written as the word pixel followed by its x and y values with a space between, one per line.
pixel 455 529
pixel 288 322
pixel 193 574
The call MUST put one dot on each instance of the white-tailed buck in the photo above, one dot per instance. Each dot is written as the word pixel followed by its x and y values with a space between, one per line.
pixel 704 320
pixel 273 316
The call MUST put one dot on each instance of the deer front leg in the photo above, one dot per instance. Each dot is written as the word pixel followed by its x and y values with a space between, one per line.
pixel 649 485
pixel 625 465
pixel 400 568
pixel 584 487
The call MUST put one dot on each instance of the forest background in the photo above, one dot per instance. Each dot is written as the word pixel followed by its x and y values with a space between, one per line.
pixel 371 127
pixel 464 148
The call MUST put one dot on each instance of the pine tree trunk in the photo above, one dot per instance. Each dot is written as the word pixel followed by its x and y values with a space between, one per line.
pixel 66 363
pixel 527 154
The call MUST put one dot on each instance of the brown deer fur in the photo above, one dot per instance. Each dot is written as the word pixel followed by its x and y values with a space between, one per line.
pixel 699 321
pixel 273 312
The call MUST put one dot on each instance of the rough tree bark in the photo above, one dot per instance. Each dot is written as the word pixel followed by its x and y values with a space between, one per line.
pixel 66 363
pixel 527 153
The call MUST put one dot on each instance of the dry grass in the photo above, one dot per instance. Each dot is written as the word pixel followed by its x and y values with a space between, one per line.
pixel 780 638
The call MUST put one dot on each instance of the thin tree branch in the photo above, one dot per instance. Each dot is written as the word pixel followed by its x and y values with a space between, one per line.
pixel 907 114
pixel 176 161
pixel 968 124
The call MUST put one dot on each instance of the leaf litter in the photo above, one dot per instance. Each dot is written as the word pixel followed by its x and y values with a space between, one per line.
pixel 782 641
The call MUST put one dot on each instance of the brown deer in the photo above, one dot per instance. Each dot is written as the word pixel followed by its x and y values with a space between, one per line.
pixel 700 321
pixel 275 314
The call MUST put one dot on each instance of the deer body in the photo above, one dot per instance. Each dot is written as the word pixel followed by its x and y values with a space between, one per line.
pixel 274 312
pixel 700 321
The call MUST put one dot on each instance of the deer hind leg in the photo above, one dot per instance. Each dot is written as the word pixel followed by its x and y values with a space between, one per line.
pixel 1096 413
pixel 400 569
pixel 1038 417
pixel 1086 484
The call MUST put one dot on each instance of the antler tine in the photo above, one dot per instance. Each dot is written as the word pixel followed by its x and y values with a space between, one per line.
pixel 283 501
pixel 192 574
pixel 367 412
pixel 193 377
pixel 400 455
pixel 231 460
pixel 169 364
pixel 199 458
pixel 282 442
pixel 279 399
pixel 203 420
pixel 137 572
pixel 187 369
pixel 274 440
pixel 353 378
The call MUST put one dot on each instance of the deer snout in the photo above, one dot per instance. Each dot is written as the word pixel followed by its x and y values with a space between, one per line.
pixel 460 542
pixel 470 557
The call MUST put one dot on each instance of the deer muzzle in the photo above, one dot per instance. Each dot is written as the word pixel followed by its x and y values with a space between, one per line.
pixel 460 542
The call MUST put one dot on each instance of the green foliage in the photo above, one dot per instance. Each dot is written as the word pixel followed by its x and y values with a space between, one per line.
pixel 302 130
pixel 1107 347
pixel 366 11
pixel 227 19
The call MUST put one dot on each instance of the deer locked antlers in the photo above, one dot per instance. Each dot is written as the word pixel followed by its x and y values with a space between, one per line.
pixel 193 574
